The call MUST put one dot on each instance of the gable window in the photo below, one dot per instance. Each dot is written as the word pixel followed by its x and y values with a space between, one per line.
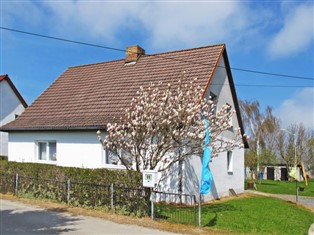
pixel 229 109
pixel 229 162
pixel 214 98
pixel 47 150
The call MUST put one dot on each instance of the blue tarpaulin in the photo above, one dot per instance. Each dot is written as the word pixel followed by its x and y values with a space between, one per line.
pixel 207 176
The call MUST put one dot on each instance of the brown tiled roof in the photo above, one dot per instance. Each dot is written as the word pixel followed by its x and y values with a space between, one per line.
pixel 5 77
pixel 89 96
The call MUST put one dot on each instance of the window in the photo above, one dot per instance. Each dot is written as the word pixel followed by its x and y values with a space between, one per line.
pixel 47 150
pixel 213 98
pixel 229 109
pixel 229 161
pixel 111 158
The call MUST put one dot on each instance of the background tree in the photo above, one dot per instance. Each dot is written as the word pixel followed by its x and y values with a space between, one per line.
pixel 309 156
pixel 262 129
pixel 164 125
pixel 270 143
pixel 295 145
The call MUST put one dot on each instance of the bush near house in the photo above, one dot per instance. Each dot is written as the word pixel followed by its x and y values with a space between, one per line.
pixel 88 187
pixel 3 158
pixel 83 175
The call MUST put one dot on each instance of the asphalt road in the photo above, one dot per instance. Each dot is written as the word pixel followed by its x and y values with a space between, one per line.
pixel 18 218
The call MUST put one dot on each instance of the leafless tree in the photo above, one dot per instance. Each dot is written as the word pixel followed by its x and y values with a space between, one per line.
pixel 262 129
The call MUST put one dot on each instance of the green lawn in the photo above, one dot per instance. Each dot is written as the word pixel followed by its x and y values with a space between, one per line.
pixel 250 215
pixel 285 187
pixel 258 215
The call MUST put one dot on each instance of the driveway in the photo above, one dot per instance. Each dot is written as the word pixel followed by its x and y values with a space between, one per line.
pixel 18 218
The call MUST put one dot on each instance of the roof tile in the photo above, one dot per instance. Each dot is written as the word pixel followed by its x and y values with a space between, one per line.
pixel 89 96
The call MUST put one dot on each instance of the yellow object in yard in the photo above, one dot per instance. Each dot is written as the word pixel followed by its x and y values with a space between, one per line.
pixel 293 172
pixel 304 174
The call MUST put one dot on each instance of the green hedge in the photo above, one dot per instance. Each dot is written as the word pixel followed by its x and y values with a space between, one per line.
pixel 82 175
pixel 89 187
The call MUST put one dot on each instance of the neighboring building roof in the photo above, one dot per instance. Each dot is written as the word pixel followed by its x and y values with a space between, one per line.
pixel 18 95
pixel 90 96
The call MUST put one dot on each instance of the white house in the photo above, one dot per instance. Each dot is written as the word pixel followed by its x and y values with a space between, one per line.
pixel 12 105
pixel 60 126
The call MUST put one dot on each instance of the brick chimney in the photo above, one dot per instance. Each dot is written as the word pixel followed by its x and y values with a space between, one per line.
pixel 133 53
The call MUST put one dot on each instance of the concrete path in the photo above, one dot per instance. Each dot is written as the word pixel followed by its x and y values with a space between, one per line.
pixel 304 201
pixel 18 218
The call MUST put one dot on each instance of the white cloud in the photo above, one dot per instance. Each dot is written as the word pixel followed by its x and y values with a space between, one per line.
pixel 169 25
pixel 163 25
pixel 14 11
pixel 175 24
pixel 298 109
pixel 166 24
pixel 297 32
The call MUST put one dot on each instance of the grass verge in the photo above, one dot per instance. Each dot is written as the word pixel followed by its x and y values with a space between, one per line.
pixel 248 214
pixel 285 187
pixel 258 215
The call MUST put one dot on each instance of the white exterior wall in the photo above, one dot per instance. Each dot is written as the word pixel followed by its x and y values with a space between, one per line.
pixel 192 168
pixel 82 149
pixel 74 149
pixel 222 179
pixel 10 106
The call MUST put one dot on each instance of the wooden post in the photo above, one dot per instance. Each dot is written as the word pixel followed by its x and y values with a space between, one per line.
pixel 112 195
pixel 16 183
pixel 152 203
pixel 68 190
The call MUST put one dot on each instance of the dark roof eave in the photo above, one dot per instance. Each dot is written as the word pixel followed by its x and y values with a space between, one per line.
pixel 16 92
pixel 235 99
pixel 77 128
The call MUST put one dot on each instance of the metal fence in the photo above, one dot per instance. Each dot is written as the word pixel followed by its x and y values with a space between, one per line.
pixel 7 183
pixel 174 207
pixel 112 197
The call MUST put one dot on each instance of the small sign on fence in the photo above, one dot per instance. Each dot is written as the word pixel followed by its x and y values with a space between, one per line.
pixel 149 178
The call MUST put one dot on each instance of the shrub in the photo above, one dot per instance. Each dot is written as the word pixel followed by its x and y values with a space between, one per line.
pixel 88 187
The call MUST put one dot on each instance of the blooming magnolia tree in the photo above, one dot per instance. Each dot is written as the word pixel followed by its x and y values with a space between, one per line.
pixel 164 125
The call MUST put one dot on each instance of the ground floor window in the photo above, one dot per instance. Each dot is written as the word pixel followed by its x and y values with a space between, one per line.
pixel 47 150
pixel 229 161
pixel 111 159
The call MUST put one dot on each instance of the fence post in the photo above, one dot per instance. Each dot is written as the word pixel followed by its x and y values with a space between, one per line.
pixel 16 183
pixel 152 203
pixel 194 199
pixel 200 211
pixel 68 190
pixel 112 195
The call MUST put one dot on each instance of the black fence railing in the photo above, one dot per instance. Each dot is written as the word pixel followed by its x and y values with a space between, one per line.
pixel 172 207
pixel 7 183
pixel 175 207
pixel 113 197
pixel 40 188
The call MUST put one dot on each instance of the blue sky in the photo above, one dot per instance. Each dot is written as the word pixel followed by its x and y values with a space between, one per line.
pixel 268 36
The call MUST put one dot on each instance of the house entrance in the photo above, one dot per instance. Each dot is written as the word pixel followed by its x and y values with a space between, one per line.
pixel 270 173
pixel 284 174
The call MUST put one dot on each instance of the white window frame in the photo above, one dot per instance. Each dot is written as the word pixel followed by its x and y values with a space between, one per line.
pixel 47 160
pixel 229 161
pixel 105 159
